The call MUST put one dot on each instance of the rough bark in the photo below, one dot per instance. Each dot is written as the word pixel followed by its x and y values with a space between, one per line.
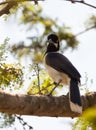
pixel 42 105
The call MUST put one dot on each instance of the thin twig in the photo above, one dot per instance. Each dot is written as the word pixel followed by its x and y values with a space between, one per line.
pixel 11 1
pixel 87 29
pixel 36 2
pixel 6 9
pixel 82 2
pixel 21 120
pixel 56 85
pixel 38 77
pixel 37 71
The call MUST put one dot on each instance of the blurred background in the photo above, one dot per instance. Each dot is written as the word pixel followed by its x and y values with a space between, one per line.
pixel 24 27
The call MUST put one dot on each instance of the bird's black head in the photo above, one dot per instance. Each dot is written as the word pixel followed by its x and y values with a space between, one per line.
pixel 52 43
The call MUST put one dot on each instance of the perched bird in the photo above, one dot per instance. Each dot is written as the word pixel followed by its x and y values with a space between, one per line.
pixel 62 71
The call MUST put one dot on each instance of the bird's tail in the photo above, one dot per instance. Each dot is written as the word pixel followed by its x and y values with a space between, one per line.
pixel 74 95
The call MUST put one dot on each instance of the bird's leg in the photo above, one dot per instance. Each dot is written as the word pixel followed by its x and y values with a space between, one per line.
pixel 56 85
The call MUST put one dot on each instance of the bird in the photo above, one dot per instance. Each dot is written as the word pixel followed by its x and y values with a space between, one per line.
pixel 62 71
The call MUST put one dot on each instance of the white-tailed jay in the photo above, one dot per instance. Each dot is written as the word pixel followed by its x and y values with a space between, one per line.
pixel 62 70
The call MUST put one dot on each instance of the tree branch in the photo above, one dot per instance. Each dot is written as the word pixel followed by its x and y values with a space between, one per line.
pixel 11 1
pixel 9 4
pixel 82 2
pixel 6 9
pixel 42 105
pixel 84 31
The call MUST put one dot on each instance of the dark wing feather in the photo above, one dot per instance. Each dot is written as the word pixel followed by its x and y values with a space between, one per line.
pixel 62 64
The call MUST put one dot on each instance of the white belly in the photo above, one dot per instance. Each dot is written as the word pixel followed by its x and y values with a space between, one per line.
pixel 58 76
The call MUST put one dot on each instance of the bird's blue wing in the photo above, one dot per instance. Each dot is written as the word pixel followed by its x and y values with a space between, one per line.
pixel 60 63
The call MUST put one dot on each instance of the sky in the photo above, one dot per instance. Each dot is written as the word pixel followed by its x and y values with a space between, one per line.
pixel 73 15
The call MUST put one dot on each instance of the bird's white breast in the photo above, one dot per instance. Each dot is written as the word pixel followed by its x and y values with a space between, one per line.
pixel 58 76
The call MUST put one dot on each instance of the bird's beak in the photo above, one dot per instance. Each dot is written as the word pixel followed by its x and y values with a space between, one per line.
pixel 49 42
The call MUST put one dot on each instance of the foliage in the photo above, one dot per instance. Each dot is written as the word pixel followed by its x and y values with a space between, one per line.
pixel 40 26
pixel 91 22
pixel 41 86
pixel 3 49
pixel 87 121
pixel 7 120
pixel 10 74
